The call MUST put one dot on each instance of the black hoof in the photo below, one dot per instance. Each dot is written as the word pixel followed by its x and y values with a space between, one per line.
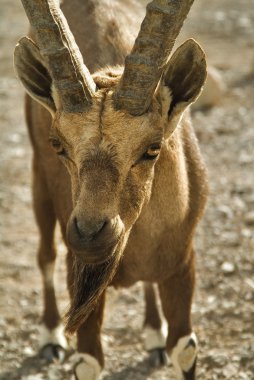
pixel 158 357
pixel 53 353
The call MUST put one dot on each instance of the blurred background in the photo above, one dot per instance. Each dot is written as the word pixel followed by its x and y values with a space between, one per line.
pixel 223 307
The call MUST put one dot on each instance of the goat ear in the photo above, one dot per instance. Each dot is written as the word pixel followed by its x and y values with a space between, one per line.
pixel 33 74
pixel 184 77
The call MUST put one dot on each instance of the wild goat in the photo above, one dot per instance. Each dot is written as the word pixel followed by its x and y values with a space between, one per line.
pixel 125 177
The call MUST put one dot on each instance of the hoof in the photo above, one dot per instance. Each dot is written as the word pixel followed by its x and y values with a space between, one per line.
pixel 158 357
pixel 184 356
pixel 53 353
pixel 191 374
pixel 85 367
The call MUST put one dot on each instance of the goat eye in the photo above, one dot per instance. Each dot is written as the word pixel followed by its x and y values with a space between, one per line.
pixel 152 152
pixel 57 146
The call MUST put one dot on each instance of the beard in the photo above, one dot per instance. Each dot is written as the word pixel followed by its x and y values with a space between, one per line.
pixel 89 283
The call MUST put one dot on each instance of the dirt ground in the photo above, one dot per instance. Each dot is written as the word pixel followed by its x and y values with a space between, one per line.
pixel 223 308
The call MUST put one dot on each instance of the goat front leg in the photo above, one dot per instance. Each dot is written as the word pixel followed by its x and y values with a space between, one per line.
pixel 155 342
pixel 89 359
pixel 52 339
pixel 176 297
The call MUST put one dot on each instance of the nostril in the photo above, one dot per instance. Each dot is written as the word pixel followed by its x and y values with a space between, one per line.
pixel 90 230
pixel 77 227
pixel 100 226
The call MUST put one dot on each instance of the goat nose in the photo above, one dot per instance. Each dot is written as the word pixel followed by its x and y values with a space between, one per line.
pixel 88 230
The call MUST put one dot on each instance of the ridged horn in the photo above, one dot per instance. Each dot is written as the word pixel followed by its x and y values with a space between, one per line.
pixel 145 63
pixel 71 79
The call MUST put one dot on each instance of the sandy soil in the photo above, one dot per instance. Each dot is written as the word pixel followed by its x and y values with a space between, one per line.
pixel 223 307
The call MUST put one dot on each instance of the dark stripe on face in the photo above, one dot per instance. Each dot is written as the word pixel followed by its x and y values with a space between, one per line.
pixel 99 163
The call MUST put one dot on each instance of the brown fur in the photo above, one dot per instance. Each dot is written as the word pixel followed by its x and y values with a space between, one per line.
pixel 153 205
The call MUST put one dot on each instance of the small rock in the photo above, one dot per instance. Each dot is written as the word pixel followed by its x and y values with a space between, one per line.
pixel 211 299
pixel 239 203
pixel 249 282
pixel 249 218
pixel 244 376
pixel 225 211
pixel 220 16
pixel 36 376
pixel 53 373
pixel 14 138
pixel 17 152
pixel 246 233
pixel 220 360
pixel 244 22
pixel 231 239
pixel 28 351
pixel 3 322
pixel 67 367
pixel 229 371
pixel 229 305
pixel 245 158
pixel 239 189
pixel 23 302
pixel 228 268
pixel 249 198
pixel 248 296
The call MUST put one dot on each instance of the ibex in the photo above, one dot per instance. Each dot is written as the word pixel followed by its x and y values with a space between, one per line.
pixel 125 177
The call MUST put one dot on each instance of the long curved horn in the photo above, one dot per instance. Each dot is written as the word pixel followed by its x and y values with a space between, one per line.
pixel 145 63
pixel 72 80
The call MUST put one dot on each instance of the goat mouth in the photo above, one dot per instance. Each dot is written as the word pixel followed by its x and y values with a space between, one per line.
pixel 95 249
pixel 97 254
pixel 92 259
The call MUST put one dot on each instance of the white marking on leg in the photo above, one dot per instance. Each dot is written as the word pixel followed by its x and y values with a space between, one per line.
pixel 154 338
pixel 86 367
pixel 184 354
pixel 54 336
pixel 48 275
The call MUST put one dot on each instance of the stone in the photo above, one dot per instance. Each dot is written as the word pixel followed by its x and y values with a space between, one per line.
pixel 228 268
